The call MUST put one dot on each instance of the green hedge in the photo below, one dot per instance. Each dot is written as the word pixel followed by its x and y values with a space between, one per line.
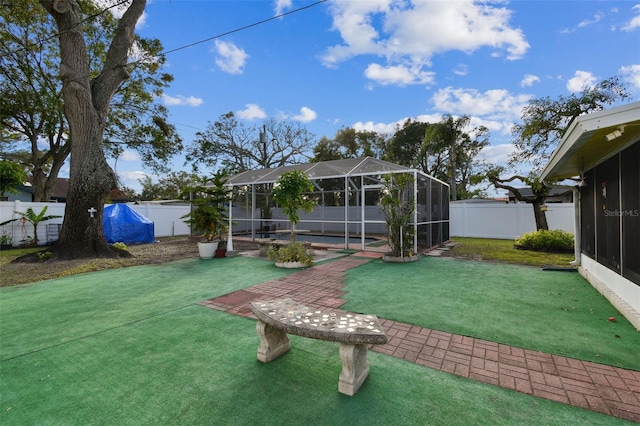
pixel 553 241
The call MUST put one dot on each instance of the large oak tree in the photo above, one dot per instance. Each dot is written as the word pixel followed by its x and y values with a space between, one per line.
pixel 34 129
pixel 87 98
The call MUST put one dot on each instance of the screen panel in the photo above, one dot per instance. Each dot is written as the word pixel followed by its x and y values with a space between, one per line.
pixel 630 212
pixel 587 215
pixel 607 220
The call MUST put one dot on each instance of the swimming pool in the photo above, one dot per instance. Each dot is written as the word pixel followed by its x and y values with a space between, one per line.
pixel 317 238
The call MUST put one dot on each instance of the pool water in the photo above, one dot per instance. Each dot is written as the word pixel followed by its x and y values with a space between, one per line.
pixel 317 238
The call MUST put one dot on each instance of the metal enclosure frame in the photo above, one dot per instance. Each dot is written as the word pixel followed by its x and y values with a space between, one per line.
pixel 347 206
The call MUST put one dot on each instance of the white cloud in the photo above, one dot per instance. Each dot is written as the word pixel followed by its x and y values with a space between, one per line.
pixel 498 154
pixel 281 6
pixel 501 126
pixel 370 126
pixel 390 128
pixel 230 58
pixel 399 75
pixel 529 79
pixel 131 178
pixel 129 155
pixel 410 34
pixel 631 74
pixel 599 16
pixel 117 10
pixel 251 112
pixel 180 100
pixel 306 115
pixel 496 105
pixel 461 70
pixel 587 22
pixel 634 23
pixel 580 81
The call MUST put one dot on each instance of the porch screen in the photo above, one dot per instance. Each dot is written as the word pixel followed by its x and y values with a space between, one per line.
pixel 630 212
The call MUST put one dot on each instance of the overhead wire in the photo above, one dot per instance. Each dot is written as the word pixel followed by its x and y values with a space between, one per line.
pixel 255 24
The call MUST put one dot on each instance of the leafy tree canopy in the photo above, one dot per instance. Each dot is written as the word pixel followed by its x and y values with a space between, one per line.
pixel 349 143
pixel 545 120
pixel 33 125
pixel 170 187
pixel 11 175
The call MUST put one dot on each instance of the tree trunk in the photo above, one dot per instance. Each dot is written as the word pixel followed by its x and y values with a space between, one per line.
pixel 82 234
pixel 86 106
pixel 540 216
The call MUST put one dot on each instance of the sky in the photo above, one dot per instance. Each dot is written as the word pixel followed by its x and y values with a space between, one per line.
pixel 372 64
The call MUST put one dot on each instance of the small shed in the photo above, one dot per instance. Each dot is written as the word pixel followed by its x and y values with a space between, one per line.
pixel 123 224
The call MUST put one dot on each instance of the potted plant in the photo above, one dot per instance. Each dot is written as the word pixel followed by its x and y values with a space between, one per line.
pixel 290 192
pixel 293 255
pixel 397 204
pixel 6 241
pixel 222 229
pixel 209 212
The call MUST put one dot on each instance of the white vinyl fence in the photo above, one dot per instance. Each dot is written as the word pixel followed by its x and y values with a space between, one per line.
pixel 166 220
pixel 506 221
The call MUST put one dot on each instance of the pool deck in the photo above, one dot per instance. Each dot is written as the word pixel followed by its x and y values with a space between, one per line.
pixel 597 387
pixel 339 246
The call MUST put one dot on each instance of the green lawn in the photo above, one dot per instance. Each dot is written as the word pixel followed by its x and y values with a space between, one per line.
pixel 131 346
pixel 549 311
pixel 195 366
pixel 503 251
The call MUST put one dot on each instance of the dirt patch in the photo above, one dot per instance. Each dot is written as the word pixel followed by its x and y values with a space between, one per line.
pixel 165 250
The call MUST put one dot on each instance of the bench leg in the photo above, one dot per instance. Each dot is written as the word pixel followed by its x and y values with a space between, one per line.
pixel 355 368
pixel 273 342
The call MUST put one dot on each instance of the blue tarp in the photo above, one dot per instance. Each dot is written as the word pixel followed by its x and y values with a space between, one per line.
pixel 123 224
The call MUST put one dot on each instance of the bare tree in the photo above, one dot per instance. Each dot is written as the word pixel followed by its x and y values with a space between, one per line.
pixel 236 147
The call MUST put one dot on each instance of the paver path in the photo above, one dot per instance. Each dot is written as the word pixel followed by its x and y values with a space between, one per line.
pixel 609 390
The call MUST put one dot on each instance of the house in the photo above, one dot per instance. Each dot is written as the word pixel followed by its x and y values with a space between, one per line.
pixel 24 192
pixel 556 195
pixel 59 194
pixel 602 150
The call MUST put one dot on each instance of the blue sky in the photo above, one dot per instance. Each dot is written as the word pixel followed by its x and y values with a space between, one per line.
pixel 371 64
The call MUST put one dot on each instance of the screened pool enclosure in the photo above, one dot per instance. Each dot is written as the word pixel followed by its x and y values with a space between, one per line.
pixel 348 192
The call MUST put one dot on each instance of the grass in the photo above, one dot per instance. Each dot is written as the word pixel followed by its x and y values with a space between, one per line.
pixel 198 366
pixel 504 251
pixel 130 346
pixel 9 255
pixel 192 365
pixel 549 311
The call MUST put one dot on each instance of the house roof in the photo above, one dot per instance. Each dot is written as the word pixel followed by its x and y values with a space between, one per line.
pixel 320 170
pixel 528 192
pixel 588 141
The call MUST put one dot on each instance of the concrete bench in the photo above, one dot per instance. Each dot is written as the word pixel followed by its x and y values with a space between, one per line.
pixel 263 245
pixel 354 332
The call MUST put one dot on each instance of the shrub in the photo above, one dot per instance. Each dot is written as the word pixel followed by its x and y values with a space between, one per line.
pixel 552 241
pixel 44 255
pixel 292 252
pixel 120 246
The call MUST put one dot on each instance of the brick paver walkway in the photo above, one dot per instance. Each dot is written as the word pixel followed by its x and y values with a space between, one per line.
pixel 609 390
